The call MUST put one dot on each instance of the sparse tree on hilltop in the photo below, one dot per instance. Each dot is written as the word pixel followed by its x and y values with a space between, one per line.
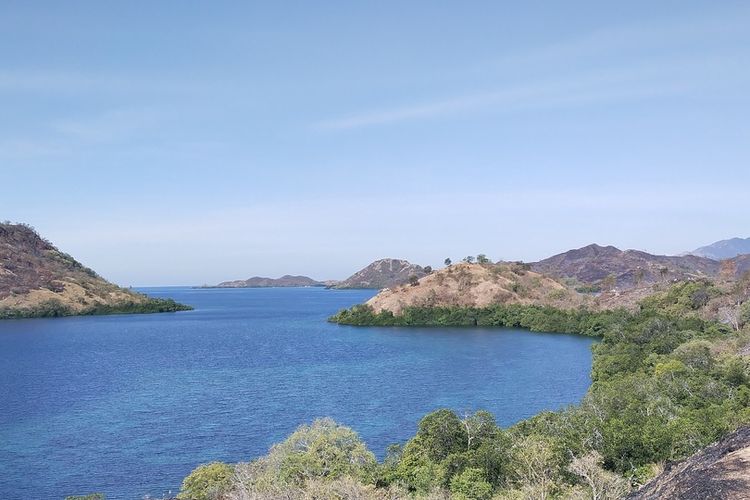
pixel 469 259
pixel 448 261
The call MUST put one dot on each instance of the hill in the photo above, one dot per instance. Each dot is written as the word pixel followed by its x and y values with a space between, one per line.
pixel 37 280
pixel 383 273
pixel 724 249
pixel 261 282
pixel 479 285
pixel 609 267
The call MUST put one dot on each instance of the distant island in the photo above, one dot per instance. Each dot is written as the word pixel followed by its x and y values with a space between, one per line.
pixel 38 280
pixel 261 282
pixel 382 273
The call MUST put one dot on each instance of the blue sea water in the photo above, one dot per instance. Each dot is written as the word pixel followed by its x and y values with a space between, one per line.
pixel 129 404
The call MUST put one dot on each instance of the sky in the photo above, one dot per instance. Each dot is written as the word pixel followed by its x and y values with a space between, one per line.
pixel 185 142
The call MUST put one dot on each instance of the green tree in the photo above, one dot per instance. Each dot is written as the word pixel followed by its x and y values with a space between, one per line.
pixel 448 261
pixel 324 450
pixel 471 484
pixel 469 259
pixel 482 259
pixel 207 482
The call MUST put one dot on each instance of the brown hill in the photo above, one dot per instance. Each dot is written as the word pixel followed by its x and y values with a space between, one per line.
pixel 480 285
pixel 260 282
pixel 609 266
pixel 383 273
pixel 36 279
pixel 719 471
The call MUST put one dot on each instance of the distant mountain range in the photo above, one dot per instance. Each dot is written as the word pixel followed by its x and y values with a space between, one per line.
pixel 261 282
pixel 595 264
pixel 38 280
pixel 724 249
pixel 383 273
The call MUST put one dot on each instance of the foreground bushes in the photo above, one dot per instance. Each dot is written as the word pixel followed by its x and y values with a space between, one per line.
pixel 664 386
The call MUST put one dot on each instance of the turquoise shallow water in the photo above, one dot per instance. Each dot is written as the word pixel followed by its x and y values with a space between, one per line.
pixel 128 405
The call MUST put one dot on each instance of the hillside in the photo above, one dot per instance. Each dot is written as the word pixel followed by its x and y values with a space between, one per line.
pixel 720 471
pixel 383 273
pixel 261 282
pixel 724 249
pixel 36 279
pixel 610 267
pixel 479 285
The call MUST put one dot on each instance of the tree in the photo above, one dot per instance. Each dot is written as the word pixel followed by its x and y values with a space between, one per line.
pixel 414 280
pixel 207 482
pixel 323 450
pixel 482 259
pixel 448 261
pixel 603 485
pixel 534 462
pixel 469 259
pixel 442 433
pixel 663 273
pixel 471 484
pixel 428 269
pixel 609 282
pixel 639 275
pixel 479 427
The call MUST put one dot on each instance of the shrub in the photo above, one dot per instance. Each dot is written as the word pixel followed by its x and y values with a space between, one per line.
pixel 207 482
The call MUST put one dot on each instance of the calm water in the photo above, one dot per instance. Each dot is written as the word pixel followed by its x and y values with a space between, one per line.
pixel 128 405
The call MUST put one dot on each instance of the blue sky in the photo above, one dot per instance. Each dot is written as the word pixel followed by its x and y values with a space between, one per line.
pixel 193 142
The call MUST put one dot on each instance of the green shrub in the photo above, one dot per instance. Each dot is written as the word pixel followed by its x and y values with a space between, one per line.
pixel 207 482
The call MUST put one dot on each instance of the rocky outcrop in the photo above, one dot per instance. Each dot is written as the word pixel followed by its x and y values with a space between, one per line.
pixel 719 471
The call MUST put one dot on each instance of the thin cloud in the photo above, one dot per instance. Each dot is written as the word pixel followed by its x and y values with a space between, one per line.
pixel 615 84
pixel 571 85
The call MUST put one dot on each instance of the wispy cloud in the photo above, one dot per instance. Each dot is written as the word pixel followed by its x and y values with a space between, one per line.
pixel 577 72
pixel 608 85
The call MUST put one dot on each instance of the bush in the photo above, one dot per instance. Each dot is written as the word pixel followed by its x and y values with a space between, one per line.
pixel 207 482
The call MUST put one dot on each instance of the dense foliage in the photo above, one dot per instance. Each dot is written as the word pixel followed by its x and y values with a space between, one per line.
pixel 531 317
pixel 665 384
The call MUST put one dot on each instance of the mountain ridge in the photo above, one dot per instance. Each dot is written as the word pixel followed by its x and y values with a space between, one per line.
pixel 724 249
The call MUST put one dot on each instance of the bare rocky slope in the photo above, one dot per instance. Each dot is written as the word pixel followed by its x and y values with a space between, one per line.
pixel 719 471
pixel 595 265
pixel 36 279
pixel 261 282
pixel 383 273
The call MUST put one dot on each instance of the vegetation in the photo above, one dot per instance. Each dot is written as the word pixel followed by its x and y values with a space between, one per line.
pixel 666 382
pixel 53 308
pixel 207 481
pixel 92 496
pixel 532 317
